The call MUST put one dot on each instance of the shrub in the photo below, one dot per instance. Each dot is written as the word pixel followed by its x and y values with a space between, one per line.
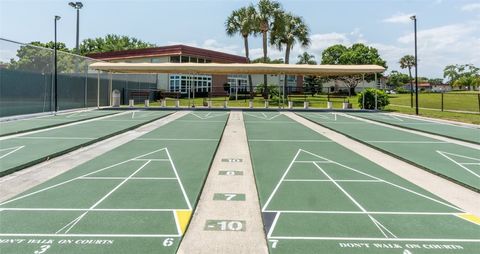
pixel 369 93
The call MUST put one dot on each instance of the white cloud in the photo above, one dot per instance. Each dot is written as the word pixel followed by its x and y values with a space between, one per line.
pixel 471 7
pixel 400 18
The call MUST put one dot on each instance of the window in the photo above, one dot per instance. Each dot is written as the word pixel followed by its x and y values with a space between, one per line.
pixel 185 59
pixel 180 83
pixel 193 59
pixel 175 59
pixel 238 80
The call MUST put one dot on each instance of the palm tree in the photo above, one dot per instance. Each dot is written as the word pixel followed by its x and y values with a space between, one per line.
pixel 408 61
pixel 287 31
pixel 306 58
pixel 242 21
pixel 267 12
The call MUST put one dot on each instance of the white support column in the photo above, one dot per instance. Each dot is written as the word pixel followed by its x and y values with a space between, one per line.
pixel 98 89
pixel 363 91
pixel 110 77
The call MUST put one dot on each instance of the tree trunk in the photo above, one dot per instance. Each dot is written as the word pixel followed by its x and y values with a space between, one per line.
pixel 247 55
pixel 264 32
pixel 287 61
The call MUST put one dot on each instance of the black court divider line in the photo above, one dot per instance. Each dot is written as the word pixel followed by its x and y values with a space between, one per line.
pixel 52 125
pixel 197 200
pixel 51 156
pixel 413 129
pixel 398 157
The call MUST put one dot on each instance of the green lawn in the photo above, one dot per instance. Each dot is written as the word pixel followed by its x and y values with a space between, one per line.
pixel 454 116
pixel 466 101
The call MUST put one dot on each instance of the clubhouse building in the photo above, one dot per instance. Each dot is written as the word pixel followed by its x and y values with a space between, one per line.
pixel 187 54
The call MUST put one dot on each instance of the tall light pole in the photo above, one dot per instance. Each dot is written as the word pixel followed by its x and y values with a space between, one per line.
pixel 414 18
pixel 77 6
pixel 55 62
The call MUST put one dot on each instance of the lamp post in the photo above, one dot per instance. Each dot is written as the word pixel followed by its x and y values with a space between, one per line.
pixel 77 6
pixel 414 18
pixel 55 62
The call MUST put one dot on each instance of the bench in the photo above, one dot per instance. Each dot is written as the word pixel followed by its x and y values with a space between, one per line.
pixel 211 95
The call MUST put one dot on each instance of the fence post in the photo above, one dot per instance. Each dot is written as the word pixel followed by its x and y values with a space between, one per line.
pixel 478 96
pixel 442 101
pixel 98 89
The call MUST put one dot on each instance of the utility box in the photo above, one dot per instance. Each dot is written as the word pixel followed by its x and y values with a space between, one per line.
pixel 115 98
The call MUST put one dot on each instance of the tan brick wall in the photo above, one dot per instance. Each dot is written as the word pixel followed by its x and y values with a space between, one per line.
pixel 217 82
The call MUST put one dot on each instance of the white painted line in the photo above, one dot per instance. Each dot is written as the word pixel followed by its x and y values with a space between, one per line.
pixel 362 212
pixel 280 181
pixel 377 223
pixel 274 223
pixel 324 180
pixel 290 140
pixel 76 178
pixel 75 221
pixel 93 210
pixel 264 117
pixel 93 235
pixel 62 126
pixel 375 239
pixel 406 142
pixel 149 160
pixel 444 154
pixel 60 138
pixel 121 178
pixel 177 139
pixel 14 149
pixel 179 181
pixel 392 184
pixel 179 230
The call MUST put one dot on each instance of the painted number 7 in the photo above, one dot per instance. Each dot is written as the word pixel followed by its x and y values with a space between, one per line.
pixel 230 196
pixel 274 243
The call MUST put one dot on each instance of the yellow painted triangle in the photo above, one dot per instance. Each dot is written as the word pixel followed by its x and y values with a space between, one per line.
pixel 470 217
pixel 183 217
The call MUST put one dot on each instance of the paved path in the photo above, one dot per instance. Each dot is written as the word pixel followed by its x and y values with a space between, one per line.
pixel 227 218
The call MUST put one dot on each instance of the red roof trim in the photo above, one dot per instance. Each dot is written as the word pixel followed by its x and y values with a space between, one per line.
pixel 173 50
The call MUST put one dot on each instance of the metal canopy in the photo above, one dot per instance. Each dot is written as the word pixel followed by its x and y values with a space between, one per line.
pixel 257 68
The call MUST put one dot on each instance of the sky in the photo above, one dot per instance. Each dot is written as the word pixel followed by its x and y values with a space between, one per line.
pixel 448 30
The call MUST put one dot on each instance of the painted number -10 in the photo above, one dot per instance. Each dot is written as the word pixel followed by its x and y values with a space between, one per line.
pixel 230 225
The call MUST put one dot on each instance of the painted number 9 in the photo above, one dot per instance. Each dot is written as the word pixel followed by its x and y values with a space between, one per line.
pixel 168 242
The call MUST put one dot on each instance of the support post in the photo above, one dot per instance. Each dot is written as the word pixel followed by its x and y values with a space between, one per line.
pixel 442 101
pixel 363 91
pixel 98 89
pixel 110 84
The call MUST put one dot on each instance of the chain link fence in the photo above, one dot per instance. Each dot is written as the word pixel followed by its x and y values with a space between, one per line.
pixel 27 81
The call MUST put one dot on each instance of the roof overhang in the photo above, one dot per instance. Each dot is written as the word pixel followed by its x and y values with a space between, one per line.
pixel 258 68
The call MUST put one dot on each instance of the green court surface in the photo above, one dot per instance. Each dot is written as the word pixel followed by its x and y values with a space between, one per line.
pixel 455 162
pixel 456 131
pixel 29 124
pixel 319 197
pixel 23 151
pixel 137 198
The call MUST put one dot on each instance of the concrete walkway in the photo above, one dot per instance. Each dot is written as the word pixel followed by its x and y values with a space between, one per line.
pixel 451 192
pixel 20 181
pixel 227 218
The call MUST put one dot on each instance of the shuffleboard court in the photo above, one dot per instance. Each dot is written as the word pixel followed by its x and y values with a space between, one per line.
pixel 30 124
pixel 455 162
pixel 19 152
pixel 136 198
pixel 456 131
pixel 319 197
